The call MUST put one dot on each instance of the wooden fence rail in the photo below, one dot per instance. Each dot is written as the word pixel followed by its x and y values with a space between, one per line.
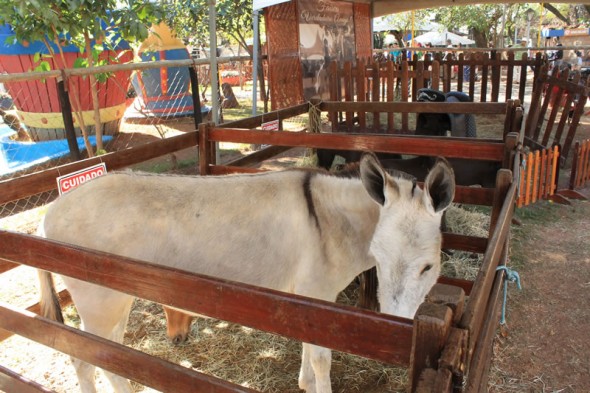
pixel 538 176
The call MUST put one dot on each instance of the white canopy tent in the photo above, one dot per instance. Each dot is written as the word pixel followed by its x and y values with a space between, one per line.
pixel 437 38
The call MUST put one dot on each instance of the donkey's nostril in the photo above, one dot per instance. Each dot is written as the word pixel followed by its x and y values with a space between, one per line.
pixel 179 339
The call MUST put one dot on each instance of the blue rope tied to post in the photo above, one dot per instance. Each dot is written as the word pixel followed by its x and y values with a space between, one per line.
pixel 512 276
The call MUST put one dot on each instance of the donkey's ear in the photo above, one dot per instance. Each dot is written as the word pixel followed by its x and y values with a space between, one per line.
pixel 439 187
pixel 374 177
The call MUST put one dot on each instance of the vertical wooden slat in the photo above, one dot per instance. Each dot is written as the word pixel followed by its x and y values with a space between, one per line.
pixel 509 74
pixel 204 148
pixel 460 72
pixel 543 186
pixel 347 82
pixel 585 171
pixel 484 78
pixel 435 75
pixel 555 164
pixel 576 166
pixel 521 188
pixel 536 176
pixel 523 71
pixel 549 172
pixel 375 95
pixel 529 167
pixel 418 80
pixel 390 93
pixel 333 116
pixel 496 69
pixel 361 92
pixel 405 79
pixel 472 74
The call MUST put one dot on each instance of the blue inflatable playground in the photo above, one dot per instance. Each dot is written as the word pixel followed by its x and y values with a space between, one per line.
pixel 17 156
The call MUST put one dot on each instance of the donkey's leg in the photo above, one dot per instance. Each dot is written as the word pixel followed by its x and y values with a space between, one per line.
pixel 306 376
pixel 321 362
pixel 103 312
pixel 120 384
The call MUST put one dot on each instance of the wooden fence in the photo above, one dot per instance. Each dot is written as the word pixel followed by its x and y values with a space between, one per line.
pixel 459 335
pixel 479 75
pixel 580 175
pixel 556 109
pixel 538 176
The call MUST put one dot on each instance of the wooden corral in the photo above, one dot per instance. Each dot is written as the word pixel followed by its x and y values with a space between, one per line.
pixel 372 81
pixel 447 344
pixel 555 112
pixel 538 176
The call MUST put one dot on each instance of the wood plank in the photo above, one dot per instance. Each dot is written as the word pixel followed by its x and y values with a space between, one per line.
pixel 466 285
pixel 416 145
pixel 343 328
pixel 129 363
pixel 454 355
pixel 489 108
pixel 474 312
pixel 432 324
pixel 24 186
pixel 11 382
pixel 256 121
pixel 258 156
pixel 6 266
pixel 480 361
pixel 448 295
pixel 455 241
pixel 64 300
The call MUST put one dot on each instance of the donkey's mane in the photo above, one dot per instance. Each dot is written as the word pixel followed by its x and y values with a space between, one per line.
pixel 352 170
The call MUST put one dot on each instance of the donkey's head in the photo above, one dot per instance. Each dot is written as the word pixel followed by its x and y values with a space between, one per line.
pixel 407 240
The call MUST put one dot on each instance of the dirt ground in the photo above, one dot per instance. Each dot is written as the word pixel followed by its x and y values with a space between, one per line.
pixel 545 345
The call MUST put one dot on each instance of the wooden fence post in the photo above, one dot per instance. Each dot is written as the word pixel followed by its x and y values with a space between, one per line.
pixel 432 326
pixel 204 149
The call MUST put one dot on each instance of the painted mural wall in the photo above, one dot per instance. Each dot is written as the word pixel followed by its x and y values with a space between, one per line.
pixel 326 33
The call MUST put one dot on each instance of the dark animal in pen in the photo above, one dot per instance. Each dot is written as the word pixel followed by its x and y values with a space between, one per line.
pixel 427 124
pixel 439 124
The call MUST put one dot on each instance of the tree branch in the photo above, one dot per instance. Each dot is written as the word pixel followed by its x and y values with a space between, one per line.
pixel 558 14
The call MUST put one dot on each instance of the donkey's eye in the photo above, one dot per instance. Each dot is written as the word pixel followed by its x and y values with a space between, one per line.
pixel 426 268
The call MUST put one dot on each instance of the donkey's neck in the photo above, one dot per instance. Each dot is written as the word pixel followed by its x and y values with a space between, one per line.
pixel 346 217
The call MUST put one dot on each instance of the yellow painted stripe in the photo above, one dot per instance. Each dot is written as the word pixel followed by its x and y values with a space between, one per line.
pixel 55 119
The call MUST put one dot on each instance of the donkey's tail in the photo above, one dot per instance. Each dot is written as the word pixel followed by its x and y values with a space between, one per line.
pixel 49 302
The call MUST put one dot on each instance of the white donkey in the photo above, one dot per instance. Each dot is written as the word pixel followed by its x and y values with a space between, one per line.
pixel 298 231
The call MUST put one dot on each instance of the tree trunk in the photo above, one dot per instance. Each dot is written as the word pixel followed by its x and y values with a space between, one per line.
pixel 75 97
pixel 94 93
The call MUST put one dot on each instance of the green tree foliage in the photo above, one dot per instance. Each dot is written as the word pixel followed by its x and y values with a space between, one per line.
pixel 88 24
pixel 38 20
pixel 190 19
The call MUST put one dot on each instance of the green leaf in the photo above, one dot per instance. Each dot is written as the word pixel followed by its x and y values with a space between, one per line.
pixel 81 62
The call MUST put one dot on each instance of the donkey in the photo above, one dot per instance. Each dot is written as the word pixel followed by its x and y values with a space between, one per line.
pixel 337 227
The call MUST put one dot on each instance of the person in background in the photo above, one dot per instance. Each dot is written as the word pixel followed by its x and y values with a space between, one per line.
pixel 394 52
pixel 419 53
pixel 557 54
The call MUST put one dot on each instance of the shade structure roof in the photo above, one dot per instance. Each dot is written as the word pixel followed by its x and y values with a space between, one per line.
pixel 437 38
